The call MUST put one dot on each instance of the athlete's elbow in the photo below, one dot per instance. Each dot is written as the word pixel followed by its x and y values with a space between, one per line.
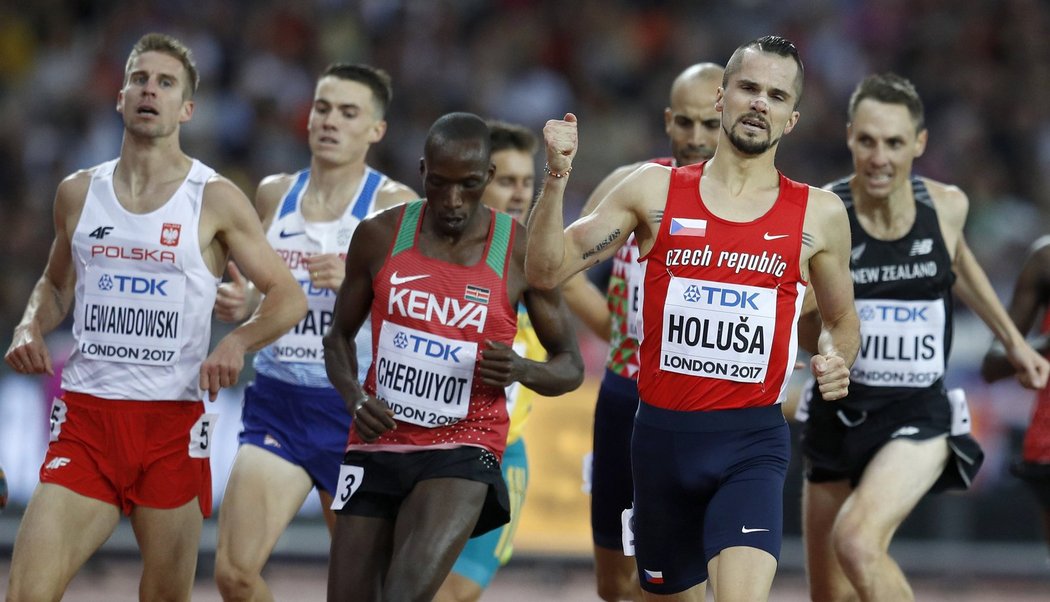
pixel 296 306
pixel 539 276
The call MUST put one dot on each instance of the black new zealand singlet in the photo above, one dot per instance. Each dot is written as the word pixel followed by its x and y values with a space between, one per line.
pixel 903 295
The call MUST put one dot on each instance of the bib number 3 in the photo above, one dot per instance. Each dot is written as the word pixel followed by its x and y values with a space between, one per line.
pixel 200 436
pixel 349 480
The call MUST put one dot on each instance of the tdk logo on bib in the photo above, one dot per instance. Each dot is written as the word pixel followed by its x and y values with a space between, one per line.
pixel 136 285
pixel 893 313
pixel 428 347
pixel 721 297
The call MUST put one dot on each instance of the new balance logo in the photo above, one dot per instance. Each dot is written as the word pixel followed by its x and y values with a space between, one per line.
pixel 744 529
pixel 923 246
pixel 57 463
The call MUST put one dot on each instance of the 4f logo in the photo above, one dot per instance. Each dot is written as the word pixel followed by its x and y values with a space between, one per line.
pixel 101 232
pixel 56 463
pixel 169 235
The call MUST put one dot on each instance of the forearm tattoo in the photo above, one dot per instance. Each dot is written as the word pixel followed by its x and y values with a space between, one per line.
pixel 615 234
pixel 808 240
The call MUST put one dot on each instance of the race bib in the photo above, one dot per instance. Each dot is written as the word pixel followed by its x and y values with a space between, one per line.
pixel 718 330
pixel 901 343
pixel 627 530
pixel 200 436
pixel 425 378
pixel 635 276
pixel 58 417
pixel 132 317
pixel 960 412
pixel 303 344
pixel 350 478
pixel 588 472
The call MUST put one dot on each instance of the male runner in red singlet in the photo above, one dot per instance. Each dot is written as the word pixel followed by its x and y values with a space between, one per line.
pixel 692 126
pixel 1031 298
pixel 140 245
pixel 441 280
pixel 730 246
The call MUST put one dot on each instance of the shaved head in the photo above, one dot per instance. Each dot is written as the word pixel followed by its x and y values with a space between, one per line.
pixel 700 72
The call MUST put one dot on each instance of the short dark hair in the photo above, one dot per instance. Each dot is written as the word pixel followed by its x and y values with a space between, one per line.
pixel 774 45
pixel 889 88
pixel 510 136
pixel 458 127
pixel 160 42
pixel 377 80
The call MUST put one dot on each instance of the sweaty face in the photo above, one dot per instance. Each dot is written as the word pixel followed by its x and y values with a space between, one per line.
pixel 454 177
pixel 343 121
pixel 758 102
pixel 151 101
pixel 884 144
pixel 511 187
pixel 692 122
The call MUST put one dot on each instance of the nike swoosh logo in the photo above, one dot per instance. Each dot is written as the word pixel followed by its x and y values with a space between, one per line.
pixel 745 529
pixel 291 234
pixel 395 279
pixel 769 236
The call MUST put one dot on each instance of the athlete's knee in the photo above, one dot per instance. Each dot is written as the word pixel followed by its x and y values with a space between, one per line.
pixel 167 590
pixel 234 583
pixel 32 590
pixel 823 590
pixel 618 587
pixel 855 549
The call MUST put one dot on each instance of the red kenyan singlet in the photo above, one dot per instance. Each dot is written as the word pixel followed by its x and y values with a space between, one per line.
pixel 721 302
pixel 430 321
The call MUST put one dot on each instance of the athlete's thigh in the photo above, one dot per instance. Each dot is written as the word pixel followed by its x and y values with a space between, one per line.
pixel 894 481
pixel 432 527
pixel 359 557
pixel 485 554
pixel 742 573
pixel 263 494
pixel 821 503
pixel 168 541
pixel 612 487
pixel 59 532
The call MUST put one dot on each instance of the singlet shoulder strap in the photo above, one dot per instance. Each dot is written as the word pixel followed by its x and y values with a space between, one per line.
pixel 921 193
pixel 406 232
pixel 500 245
pixel 369 187
pixel 291 198
pixel 687 177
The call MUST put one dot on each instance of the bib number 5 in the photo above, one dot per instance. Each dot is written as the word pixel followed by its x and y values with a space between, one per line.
pixel 200 436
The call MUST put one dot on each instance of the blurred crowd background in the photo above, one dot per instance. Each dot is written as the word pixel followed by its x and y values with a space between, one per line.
pixel 982 67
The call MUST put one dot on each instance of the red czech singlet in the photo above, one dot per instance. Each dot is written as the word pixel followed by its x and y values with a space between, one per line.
pixel 722 300
pixel 430 321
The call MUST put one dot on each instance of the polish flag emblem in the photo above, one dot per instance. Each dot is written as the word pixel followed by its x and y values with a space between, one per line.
pixel 169 235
